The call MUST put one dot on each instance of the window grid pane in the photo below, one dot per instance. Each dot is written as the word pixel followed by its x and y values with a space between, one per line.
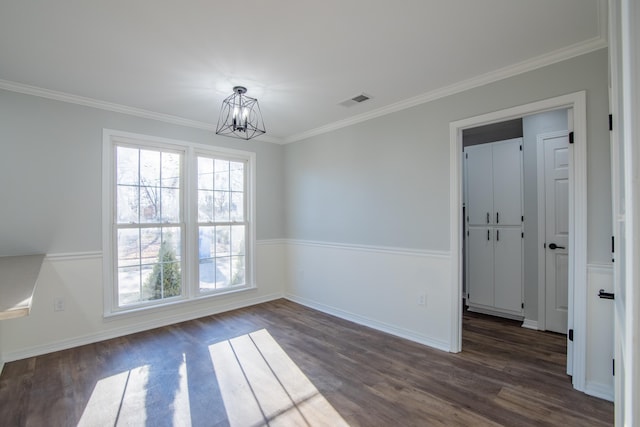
pixel 222 227
pixel 149 234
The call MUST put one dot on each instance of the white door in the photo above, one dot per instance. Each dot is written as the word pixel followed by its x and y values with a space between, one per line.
pixel 480 265
pixel 507 188
pixel 556 233
pixel 508 269
pixel 478 176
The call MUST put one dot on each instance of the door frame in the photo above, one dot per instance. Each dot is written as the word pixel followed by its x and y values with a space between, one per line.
pixel 577 218
pixel 624 65
pixel 542 209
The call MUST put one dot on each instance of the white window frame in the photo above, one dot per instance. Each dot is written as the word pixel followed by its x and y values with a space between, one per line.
pixel 189 197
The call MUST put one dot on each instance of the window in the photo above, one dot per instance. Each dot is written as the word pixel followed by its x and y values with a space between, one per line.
pixel 221 223
pixel 148 224
pixel 178 221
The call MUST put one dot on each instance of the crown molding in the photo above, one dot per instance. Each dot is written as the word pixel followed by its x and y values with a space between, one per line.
pixel 559 55
pixel 556 56
pixel 116 108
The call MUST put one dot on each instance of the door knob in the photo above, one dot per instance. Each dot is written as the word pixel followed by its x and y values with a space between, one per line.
pixel 605 295
pixel 554 246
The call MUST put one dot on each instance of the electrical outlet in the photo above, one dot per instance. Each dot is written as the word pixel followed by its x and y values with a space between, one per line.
pixel 422 299
pixel 58 304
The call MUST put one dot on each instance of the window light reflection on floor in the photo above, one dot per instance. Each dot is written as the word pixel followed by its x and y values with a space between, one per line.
pixel 125 399
pixel 258 384
pixel 261 385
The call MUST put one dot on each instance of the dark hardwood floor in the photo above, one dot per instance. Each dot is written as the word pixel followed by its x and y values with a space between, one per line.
pixel 280 363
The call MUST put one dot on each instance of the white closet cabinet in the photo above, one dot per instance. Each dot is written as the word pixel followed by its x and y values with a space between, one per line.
pixel 493 200
pixel 494 183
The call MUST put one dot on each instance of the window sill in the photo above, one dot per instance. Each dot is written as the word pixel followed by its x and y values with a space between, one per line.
pixel 157 308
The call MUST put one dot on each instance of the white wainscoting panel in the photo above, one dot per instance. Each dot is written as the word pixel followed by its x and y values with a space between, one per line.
pixel 77 278
pixel 600 333
pixel 379 287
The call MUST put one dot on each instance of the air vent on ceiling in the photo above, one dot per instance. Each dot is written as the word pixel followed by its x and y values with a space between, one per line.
pixel 355 100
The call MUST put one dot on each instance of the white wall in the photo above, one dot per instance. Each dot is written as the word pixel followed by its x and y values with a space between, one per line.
pixel 600 324
pixel 384 183
pixel 51 202
pixel 375 286
pixel 77 279
pixel 51 170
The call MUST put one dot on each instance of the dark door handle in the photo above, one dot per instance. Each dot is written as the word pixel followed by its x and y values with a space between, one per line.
pixel 487 217
pixel 488 235
pixel 554 246
pixel 605 295
pixel 497 217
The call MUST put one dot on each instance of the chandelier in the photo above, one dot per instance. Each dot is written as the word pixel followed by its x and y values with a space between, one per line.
pixel 240 116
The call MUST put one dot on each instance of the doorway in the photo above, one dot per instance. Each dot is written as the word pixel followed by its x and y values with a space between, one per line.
pixel 527 186
pixel 577 224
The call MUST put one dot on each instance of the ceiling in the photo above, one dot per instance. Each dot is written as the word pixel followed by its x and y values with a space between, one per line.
pixel 177 61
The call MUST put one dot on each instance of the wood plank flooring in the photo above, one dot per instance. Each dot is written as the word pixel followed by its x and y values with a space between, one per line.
pixel 280 363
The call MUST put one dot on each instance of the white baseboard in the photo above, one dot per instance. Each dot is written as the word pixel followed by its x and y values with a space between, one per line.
pixel 374 324
pixel 530 324
pixel 602 391
pixel 132 329
pixel 493 312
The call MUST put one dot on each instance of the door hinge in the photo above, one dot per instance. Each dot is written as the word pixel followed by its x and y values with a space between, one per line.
pixel 466 155
pixel 570 334
pixel 570 137
pixel 520 147
pixel 522 234
pixel 522 218
pixel 522 305
pixel 610 121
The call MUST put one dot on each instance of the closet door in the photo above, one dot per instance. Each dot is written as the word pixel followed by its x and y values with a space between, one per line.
pixel 480 265
pixel 507 188
pixel 508 269
pixel 478 162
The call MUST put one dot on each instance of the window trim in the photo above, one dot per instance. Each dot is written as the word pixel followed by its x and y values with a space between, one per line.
pixel 190 151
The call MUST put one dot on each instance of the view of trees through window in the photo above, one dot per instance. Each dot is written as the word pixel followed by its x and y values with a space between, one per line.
pixel 148 213
pixel 221 227
pixel 150 201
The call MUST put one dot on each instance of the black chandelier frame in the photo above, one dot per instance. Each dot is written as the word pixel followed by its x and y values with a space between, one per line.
pixel 240 116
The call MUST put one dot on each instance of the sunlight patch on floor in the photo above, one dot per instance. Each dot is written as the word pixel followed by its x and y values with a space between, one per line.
pixel 127 397
pixel 260 384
